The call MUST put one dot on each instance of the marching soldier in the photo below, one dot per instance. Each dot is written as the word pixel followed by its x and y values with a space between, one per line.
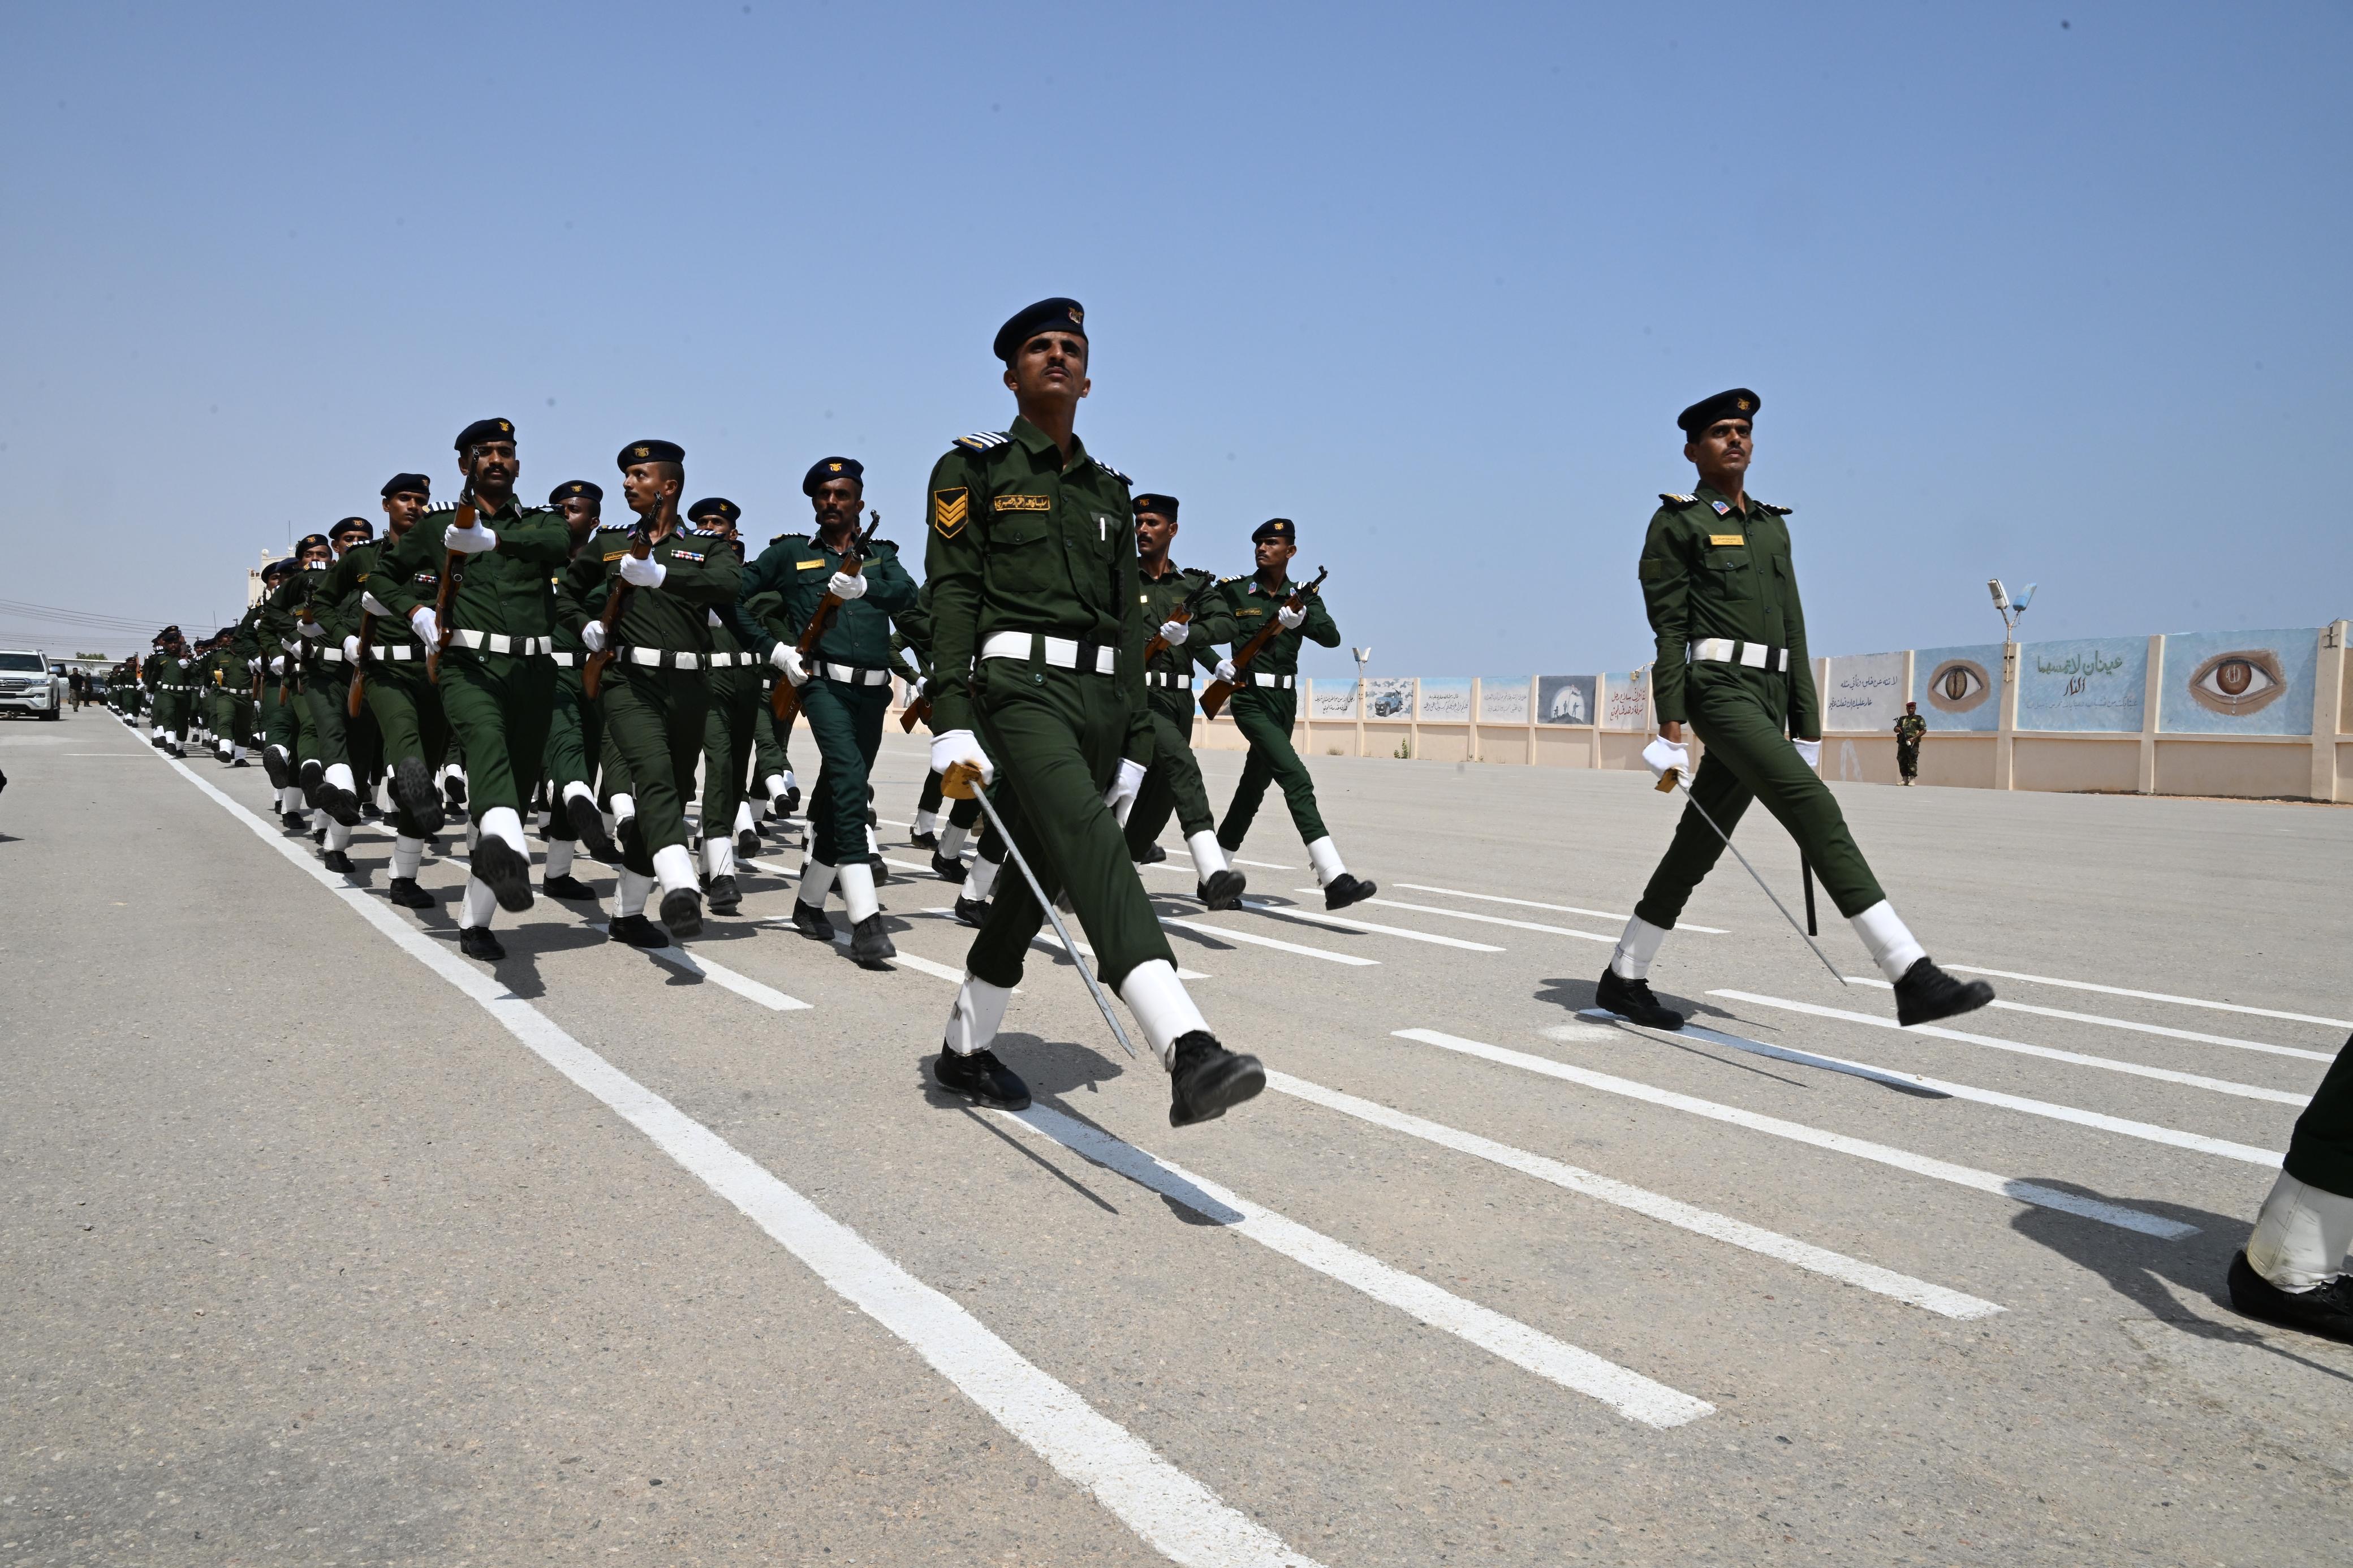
pixel 844 685
pixel 2291 1270
pixel 1039 651
pixel 406 705
pixel 575 730
pixel 168 691
pixel 729 728
pixel 1909 731
pixel 1723 601
pixel 326 607
pixel 1174 779
pixel 279 732
pixel 1267 701
pixel 497 681
pixel 655 691
pixel 298 730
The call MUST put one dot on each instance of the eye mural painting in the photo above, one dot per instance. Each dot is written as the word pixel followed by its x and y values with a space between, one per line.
pixel 2238 683
pixel 1956 686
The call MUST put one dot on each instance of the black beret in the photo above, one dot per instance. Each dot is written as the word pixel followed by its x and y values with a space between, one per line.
pixel 416 484
pixel 1738 404
pixel 1045 316
pixel 483 431
pixel 719 507
pixel 166 635
pixel 826 468
pixel 637 452
pixel 277 569
pixel 307 541
pixel 570 488
pixel 1281 528
pixel 353 525
pixel 1151 500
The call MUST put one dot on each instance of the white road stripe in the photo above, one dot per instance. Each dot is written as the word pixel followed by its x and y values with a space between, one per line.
pixel 1228 934
pixel 1350 926
pixel 948 973
pixel 1758 1047
pixel 1262 865
pixel 1630 1393
pixel 1047 940
pixel 2102 1019
pixel 1483 919
pixel 1900 1158
pixel 1671 1211
pixel 1532 904
pixel 743 985
pixel 2155 996
pixel 2076 1058
pixel 1172 1512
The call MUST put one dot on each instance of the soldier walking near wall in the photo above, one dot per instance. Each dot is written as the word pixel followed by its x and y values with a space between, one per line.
pixel 1723 601
pixel 1909 731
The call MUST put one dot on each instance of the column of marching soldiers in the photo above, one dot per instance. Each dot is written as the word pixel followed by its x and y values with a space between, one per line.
pixel 503 660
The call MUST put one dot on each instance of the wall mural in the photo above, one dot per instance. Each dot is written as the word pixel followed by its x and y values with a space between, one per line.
pixel 1564 698
pixel 1332 699
pixel 1388 697
pixel 1503 700
pixel 1866 692
pixel 1957 688
pixel 2238 683
pixel 2089 683
pixel 1627 704
pixel 1446 699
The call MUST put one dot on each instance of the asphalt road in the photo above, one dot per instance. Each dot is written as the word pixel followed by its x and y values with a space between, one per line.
pixel 323 1245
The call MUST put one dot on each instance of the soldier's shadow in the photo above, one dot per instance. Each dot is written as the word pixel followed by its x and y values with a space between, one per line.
pixel 2148 1270
pixel 1575 996
pixel 1052 1070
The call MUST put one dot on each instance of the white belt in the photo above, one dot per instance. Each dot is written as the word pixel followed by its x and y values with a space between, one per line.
pixel 1063 653
pixel 851 673
pixel 730 660
pixel 499 642
pixel 1280 682
pixel 1161 678
pixel 659 657
pixel 396 652
pixel 566 659
pixel 329 655
pixel 1754 654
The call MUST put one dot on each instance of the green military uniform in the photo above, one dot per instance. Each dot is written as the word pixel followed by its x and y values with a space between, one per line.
pixel 1026 547
pixel 1174 781
pixel 324 684
pixel 399 695
pixel 1724 605
pixel 656 691
pixel 1909 731
pixel 1266 703
pixel 772 738
pixel 575 726
pixel 170 693
pixel 285 711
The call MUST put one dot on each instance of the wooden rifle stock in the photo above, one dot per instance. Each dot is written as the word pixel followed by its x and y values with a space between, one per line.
pixel 1214 697
pixel 917 712
pixel 642 540
pixel 352 701
pixel 452 563
pixel 786 700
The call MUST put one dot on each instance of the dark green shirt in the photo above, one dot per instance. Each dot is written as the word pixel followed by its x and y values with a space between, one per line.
pixel 1023 539
pixel 1163 597
pixel 304 592
pixel 1908 731
pixel 1709 571
pixel 1246 606
pixel 504 590
pixel 796 568
pixel 701 571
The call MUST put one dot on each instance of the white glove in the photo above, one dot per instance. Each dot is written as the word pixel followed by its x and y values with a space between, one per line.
pixel 1809 750
pixel 1663 753
pixel 711 619
pixel 310 628
pixel 845 587
pixel 427 627
pixel 278 666
pixel 1292 619
pixel 352 648
pixel 1173 633
pixel 254 665
pixel 469 540
pixel 1121 796
pixel 592 637
pixel 374 606
pixel 959 746
pixel 1227 672
pixel 788 657
pixel 646 574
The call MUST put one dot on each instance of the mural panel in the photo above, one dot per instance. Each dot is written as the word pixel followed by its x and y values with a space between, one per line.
pixel 2238 683
pixel 1503 700
pixel 1564 698
pixel 1866 692
pixel 1332 699
pixel 1446 699
pixel 1628 705
pixel 1388 697
pixel 1957 688
pixel 2089 683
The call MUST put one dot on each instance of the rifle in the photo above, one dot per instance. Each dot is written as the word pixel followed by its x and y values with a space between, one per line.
pixel 359 667
pixel 786 700
pixel 643 537
pixel 916 712
pixel 452 563
pixel 1214 697
pixel 1185 613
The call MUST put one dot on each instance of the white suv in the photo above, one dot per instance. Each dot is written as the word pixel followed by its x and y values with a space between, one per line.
pixel 26 684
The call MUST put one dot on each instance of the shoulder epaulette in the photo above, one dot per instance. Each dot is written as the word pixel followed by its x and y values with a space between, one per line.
pixel 1777 510
pixel 982 440
pixel 602 527
pixel 1676 500
pixel 1114 473
pixel 1234 578
pixel 701 532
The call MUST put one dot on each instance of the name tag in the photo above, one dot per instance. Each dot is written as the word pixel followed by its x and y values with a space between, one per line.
pixel 1727 538
pixel 1022 503
pixel 614 555
pixel 805 565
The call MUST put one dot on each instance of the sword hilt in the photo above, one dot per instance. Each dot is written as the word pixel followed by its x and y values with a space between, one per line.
pixel 961 781
pixel 1667 781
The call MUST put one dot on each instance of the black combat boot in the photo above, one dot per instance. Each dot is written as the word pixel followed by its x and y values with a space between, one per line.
pixel 637 931
pixel 1153 855
pixel 1632 999
pixel 948 870
pixel 413 792
pixel 725 896
pixel 972 912
pixel 1345 889
pixel 403 891
pixel 1223 890
pixel 588 826
pixel 502 870
pixel 1927 993
pixel 812 921
pixel 336 860
pixel 476 942
pixel 567 886
pixel 981 1077
pixel 2325 1311
pixel 681 911
pixel 869 944
pixel 1206 1079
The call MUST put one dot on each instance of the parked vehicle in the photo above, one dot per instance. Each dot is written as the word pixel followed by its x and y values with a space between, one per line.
pixel 28 685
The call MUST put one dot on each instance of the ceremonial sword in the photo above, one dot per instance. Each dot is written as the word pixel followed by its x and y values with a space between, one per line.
pixel 1672 778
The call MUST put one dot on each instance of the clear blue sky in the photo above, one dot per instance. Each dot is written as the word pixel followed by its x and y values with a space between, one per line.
pixel 2063 303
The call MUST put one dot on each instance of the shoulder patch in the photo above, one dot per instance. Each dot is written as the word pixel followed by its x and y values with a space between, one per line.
pixel 1777 510
pixel 1114 473
pixel 1673 500
pixel 612 528
pixel 950 510
pixel 1234 578
pixel 982 440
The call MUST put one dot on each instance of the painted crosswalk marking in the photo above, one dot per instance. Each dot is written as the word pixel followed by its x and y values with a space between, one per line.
pixel 2197 1036
pixel 1555 909
pixel 2156 996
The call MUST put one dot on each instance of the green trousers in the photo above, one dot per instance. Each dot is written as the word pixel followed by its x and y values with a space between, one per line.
pixel 845 722
pixel 575 738
pixel 2320 1151
pixel 327 690
pixel 1908 760
pixel 1264 715
pixel 406 709
pixel 496 706
pixel 1742 715
pixel 284 718
pixel 729 730
pixel 1056 736
pixel 170 714
pixel 1174 782
pixel 653 727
